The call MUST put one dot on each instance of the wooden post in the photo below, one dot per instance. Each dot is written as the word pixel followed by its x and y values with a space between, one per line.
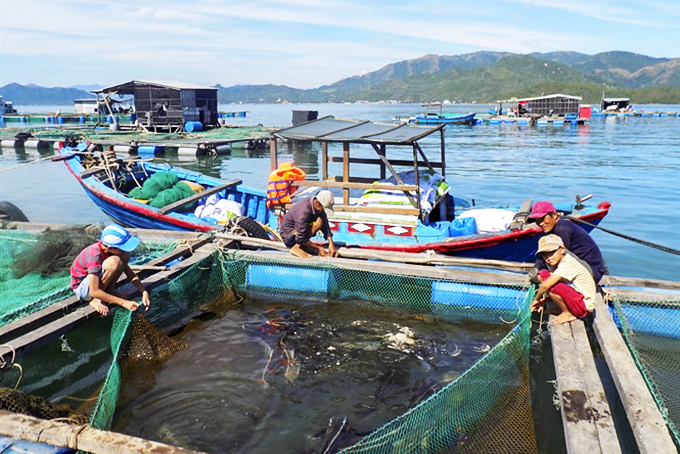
pixel 324 160
pixel 415 166
pixel 443 205
pixel 273 150
pixel 443 151
pixel 345 172
pixel 422 153
pixel 383 153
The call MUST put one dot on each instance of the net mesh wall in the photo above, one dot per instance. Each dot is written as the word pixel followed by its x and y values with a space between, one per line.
pixel 486 409
pixel 24 290
pixel 651 330
pixel 183 296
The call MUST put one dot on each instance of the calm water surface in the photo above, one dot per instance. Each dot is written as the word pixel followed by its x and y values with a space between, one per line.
pixel 275 374
pixel 634 163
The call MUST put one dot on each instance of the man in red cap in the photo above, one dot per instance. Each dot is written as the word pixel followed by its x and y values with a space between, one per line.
pixel 575 239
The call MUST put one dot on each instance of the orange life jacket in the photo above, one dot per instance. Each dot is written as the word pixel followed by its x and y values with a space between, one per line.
pixel 280 184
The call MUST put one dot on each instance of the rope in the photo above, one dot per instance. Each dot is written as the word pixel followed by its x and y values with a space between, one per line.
pixel 636 240
pixel 45 158
pixel 271 231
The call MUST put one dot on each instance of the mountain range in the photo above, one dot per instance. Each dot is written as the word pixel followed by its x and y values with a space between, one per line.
pixel 481 76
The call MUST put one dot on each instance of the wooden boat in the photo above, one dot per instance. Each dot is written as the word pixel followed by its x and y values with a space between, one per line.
pixel 412 221
pixel 414 224
pixel 444 118
pixel 108 187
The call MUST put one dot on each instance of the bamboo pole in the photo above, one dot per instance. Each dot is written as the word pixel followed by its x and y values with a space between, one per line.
pixel 80 437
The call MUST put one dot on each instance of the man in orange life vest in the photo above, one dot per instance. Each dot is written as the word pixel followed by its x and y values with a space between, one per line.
pixel 303 221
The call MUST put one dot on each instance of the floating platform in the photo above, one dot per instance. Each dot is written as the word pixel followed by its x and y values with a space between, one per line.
pixel 587 413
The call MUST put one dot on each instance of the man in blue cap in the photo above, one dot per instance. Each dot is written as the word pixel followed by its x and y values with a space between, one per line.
pixel 97 268
pixel 575 239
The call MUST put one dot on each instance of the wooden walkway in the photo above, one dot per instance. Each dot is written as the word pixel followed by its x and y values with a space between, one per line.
pixel 586 415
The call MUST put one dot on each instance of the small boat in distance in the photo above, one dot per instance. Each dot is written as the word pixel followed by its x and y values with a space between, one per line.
pixel 447 118
pixel 438 118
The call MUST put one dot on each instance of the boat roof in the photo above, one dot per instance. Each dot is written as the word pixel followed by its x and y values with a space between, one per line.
pixel 159 83
pixel 557 95
pixel 615 99
pixel 331 129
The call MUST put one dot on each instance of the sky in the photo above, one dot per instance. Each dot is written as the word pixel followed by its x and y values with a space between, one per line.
pixel 303 43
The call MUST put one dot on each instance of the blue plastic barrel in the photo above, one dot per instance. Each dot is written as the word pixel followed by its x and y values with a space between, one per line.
pixel 22 119
pixel 149 150
pixel 82 119
pixel 475 296
pixel 2 119
pixel 300 284
pixel 193 126
pixel 133 118
pixel 60 120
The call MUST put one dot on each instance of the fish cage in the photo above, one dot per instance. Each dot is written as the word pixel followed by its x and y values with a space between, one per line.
pixel 486 408
pixel 651 330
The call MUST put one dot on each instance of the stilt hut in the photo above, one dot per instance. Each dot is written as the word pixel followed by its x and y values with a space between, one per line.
pixel 549 105
pixel 168 106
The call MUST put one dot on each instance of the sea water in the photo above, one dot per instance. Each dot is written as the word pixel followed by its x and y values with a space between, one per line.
pixel 632 162
pixel 269 377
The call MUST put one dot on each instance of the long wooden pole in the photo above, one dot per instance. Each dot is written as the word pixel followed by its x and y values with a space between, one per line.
pixel 345 172
pixel 80 437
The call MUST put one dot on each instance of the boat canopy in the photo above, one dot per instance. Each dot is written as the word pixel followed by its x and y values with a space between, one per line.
pixel 331 129
pixel 379 135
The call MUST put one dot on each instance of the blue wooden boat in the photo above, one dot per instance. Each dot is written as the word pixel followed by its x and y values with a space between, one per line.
pixel 108 189
pixel 444 118
pixel 449 225
pixel 411 217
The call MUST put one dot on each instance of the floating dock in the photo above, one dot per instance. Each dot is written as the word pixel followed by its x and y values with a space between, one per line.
pixel 586 412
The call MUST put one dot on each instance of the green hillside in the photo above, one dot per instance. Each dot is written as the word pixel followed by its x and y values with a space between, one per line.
pixel 480 76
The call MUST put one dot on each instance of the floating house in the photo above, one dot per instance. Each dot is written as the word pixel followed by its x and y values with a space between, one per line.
pixel 168 106
pixel 93 106
pixel 549 105
pixel 6 107
pixel 614 104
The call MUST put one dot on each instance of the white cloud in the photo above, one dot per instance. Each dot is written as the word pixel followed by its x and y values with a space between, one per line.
pixel 301 43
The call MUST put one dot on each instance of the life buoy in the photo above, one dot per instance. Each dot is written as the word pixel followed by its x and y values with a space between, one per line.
pixel 281 185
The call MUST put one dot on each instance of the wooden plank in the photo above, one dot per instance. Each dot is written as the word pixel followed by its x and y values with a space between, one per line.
pixel 602 416
pixel 580 431
pixel 80 437
pixel 353 185
pixel 39 318
pixel 394 162
pixel 273 150
pixel 649 427
pixel 377 209
pixel 47 333
pixel 193 198
pixel 477 276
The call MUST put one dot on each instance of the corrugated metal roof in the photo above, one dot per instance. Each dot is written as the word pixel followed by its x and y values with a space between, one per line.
pixel 615 99
pixel 331 129
pixel 160 83
pixel 558 95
